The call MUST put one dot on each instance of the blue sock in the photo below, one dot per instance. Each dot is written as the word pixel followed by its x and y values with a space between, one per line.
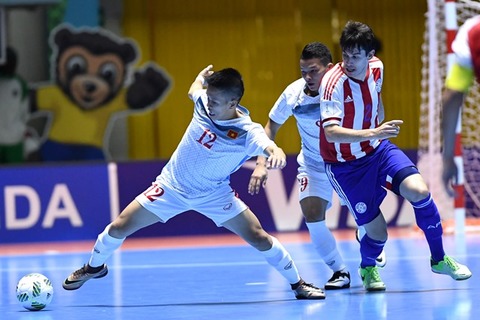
pixel 370 249
pixel 428 219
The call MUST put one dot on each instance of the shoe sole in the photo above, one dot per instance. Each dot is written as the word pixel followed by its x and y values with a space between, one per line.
pixel 310 298
pixel 77 285
pixel 376 289
pixel 345 286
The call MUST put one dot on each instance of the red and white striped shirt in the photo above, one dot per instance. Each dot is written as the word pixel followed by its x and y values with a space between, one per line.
pixel 352 104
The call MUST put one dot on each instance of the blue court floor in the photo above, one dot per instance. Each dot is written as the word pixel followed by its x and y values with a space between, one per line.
pixel 234 282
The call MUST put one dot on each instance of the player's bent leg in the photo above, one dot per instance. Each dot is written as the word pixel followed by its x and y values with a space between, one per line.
pixel 371 245
pixel 414 189
pixel 313 209
pixel 247 226
pixel 381 260
pixel 133 218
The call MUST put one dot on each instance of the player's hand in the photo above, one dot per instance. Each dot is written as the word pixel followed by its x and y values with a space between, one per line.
pixel 258 179
pixel 449 176
pixel 388 129
pixel 207 71
pixel 277 159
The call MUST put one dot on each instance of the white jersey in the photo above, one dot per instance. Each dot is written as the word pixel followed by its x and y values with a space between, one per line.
pixel 210 152
pixel 306 110
pixel 461 44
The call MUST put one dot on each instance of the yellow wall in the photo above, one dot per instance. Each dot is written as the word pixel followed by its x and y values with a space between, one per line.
pixel 263 40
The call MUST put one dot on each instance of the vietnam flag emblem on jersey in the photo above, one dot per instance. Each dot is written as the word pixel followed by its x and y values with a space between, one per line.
pixel 232 134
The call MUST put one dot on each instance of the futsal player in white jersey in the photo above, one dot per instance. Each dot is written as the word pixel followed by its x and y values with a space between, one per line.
pixel 301 100
pixel 362 163
pixel 218 140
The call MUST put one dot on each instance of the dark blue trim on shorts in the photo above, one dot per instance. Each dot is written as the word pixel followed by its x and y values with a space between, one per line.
pixel 400 176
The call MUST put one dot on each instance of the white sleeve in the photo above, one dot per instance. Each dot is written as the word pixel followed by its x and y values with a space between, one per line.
pixel 331 110
pixel 460 45
pixel 281 110
pixel 257 140
pixel 197 94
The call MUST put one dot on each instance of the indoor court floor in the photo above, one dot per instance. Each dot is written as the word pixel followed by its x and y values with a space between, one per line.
pixel 220 277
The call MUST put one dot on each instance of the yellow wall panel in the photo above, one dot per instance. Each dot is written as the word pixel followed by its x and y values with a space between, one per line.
pixel 399 24
pixel 263 40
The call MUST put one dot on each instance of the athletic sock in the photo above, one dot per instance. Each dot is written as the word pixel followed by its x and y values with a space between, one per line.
pixel 428 219
pixel 326 245
pixel 104 247
pixel 361 232
pixel 92 270
pixel 370 249
pixel 278 257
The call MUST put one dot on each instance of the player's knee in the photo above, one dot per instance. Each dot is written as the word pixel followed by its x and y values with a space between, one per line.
pixel 416 192
pixel 414 188
pixel 314 215
pixel 419 195
pixel 259 239
pixel 117 229
pixel 314 209
pixel 380 235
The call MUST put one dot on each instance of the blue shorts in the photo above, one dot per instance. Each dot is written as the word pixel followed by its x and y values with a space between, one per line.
pixel 362 183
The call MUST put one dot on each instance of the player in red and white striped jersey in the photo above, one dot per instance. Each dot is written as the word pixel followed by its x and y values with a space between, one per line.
pixel 362 163
pixel 460 79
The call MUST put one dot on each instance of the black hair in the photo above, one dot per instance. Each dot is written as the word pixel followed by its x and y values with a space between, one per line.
pixel 228 80
pixel 317 50
pixel 358 35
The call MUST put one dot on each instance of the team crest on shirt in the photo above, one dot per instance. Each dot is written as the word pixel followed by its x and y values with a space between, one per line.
pixel 361 207
pixel 378 85
pixel 232 134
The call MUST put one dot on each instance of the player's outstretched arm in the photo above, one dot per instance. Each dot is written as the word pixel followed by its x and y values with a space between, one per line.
pixel 336 133
pixel 199 81
pixel 452 102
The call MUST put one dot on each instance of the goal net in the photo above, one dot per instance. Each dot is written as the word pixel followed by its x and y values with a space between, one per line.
pixel 434 69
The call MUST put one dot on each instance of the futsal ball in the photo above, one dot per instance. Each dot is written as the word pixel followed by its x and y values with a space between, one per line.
pixel 34 291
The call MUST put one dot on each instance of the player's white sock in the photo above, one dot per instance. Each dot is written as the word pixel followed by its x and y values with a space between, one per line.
pixel 326 246
pixel 104 247
pixel 278 257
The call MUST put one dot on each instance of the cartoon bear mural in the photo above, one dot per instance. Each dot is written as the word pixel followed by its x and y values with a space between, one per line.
pixel 14 112
pixel 93 84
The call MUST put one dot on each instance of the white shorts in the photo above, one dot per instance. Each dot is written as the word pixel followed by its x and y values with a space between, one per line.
pixel 166 203
pixel 313 182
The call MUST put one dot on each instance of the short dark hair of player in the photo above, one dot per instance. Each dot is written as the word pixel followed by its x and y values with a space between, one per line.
pixel 357 35
pixel 317 50
pixel 228 80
